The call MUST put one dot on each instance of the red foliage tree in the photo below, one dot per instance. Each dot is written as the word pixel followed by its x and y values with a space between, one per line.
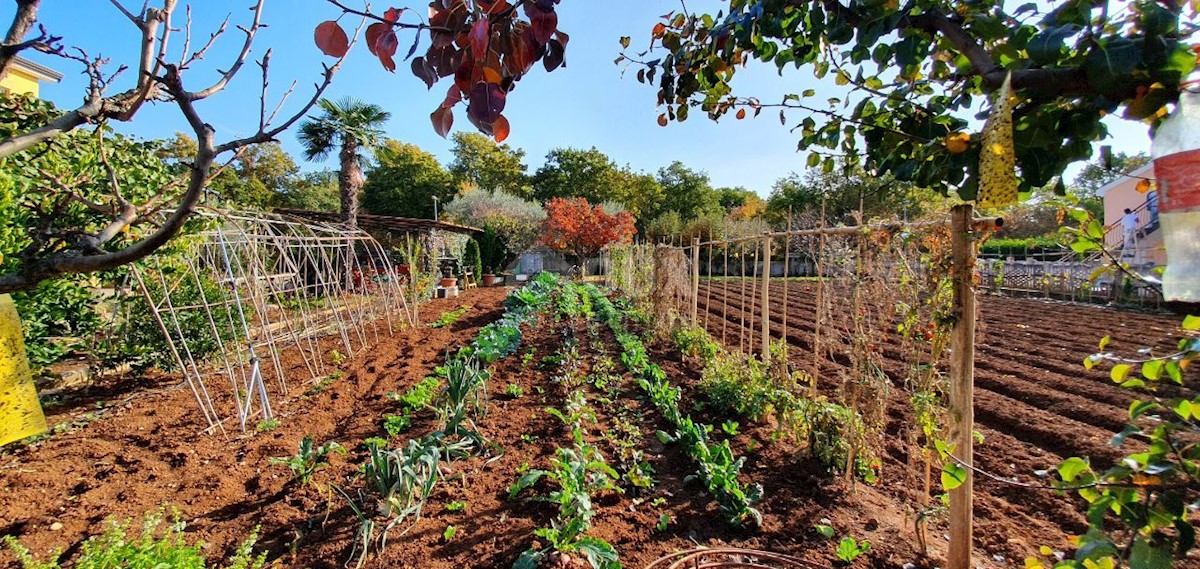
pixel 581 229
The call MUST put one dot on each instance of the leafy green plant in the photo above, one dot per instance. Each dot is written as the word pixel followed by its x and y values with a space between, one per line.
pixel 824 530
pixel 449 317
pixel 308 460
pixel 456 506
pixel 730 428
pixel 849 549
pixel 514 391
pixel 664 520
pixel 1149 493
pixel 267 425
pixel 578 473
pixel 448 534
pixel 336 357
pixel 394 425
pixel 155 547
pixel 418 396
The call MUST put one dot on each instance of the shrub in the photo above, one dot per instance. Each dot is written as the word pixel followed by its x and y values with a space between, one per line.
pixel 57 317
pixel 471 257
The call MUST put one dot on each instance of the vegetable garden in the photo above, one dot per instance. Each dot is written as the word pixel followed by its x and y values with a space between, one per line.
pixel 558 426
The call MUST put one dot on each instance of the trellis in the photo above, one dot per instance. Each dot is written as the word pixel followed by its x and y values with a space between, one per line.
pixel 251 302
pixel 745 275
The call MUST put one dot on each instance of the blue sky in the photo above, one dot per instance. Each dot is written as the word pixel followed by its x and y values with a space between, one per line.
pixel 586 104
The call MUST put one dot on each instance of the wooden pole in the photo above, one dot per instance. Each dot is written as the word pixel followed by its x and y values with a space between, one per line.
pixel 695 278
pixel 787 273
pixel 766 292
pixel 820 256
pixel 962 383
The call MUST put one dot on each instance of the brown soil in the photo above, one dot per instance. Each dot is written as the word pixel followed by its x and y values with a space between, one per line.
pixel 1036 405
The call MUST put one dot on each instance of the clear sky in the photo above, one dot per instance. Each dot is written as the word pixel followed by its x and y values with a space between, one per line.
pixel 586 104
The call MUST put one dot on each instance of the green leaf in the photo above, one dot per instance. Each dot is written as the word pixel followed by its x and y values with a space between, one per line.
pixel 1139 408
pixel 1191 322
pixel 953 476
pixel 1146 556
pixel 1071 468
pixel 1048 46
pixel 1151 369
pixel 1120 372
pixel 1174 372
pixel 1183 408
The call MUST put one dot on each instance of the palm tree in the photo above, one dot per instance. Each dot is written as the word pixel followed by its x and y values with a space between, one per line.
pixel 355 127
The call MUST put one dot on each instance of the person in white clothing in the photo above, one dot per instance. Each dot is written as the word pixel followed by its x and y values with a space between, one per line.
pixel 1129 224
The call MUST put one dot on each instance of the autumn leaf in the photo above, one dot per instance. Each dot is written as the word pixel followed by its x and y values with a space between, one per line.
pixel 500 129
pixel 331 39
pixel 443 120
pixel 741 114
pixel 479 39
pixel 662 120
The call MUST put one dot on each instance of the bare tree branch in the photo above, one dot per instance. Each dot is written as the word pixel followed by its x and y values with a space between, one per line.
pixel 237 63
pixel 14 40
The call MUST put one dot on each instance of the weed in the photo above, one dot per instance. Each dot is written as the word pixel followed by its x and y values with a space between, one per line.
pixel 527 439
pixel 309 459
pixel 456 506
pixel 514 391
pixel 663 521
pixel 267 425
pixel 448 535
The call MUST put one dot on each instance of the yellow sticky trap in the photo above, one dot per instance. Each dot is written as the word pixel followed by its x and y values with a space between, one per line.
pixel 998 161
pixel 20 411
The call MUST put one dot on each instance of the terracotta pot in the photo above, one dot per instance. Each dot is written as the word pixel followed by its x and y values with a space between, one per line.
pixel 447 283
pixel 492 280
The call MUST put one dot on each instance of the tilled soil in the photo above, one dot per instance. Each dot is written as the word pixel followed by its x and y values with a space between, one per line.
pixel 1035 403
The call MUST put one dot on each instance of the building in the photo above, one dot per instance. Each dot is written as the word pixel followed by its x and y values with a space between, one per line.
pixel 1146 244
pixel 26 77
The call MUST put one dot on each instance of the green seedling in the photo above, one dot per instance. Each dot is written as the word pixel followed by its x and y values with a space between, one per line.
pixel 849 549
pixel 663 521
pixel 308 460
pixel 824 530
pixel 396 424
pixel 448 535
pixel 336 357
pixel 450 317
pixel 730 428
pixel 456 506
pixel 266 425
pixel 514 391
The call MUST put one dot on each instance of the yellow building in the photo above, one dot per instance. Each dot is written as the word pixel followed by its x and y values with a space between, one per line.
pixel 25 77
pixel 20 411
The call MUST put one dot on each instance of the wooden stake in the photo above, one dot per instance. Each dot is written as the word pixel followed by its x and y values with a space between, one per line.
pixel 962 383
pixel 766 291
pixel 695 278
pixel 820 301
pixel 787 273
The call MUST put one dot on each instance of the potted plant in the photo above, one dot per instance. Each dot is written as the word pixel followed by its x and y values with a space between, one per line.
pixel 490 278
pixel 448 278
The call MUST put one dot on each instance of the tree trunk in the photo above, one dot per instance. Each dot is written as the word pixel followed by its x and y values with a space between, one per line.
pixel 350 181
pixel 23 21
